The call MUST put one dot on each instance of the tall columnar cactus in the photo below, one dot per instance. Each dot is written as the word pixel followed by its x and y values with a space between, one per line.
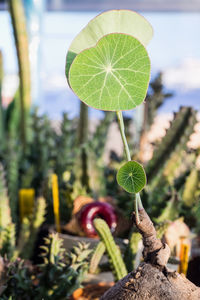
pixel 117 263
pixel 155 98
pixel 64 152
pixel 82 143
pixel 96 146
pixel 131 250
pixel 7 228
pixel 191 192
pixel 40 157
pixel 175 139
pixel 12 158
pixel 9 242
pixel 5 214
pixel 21 41
pixel 30 228
pixel 2 134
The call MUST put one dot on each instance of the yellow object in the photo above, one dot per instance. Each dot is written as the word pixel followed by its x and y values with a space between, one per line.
pixel 184 258
pixel 55 194
pixel 26 202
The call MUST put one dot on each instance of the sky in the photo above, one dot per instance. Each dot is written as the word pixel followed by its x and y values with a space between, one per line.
pixel 174 50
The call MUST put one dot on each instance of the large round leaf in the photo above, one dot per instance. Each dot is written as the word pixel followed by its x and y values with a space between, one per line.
pixel 131 176
pixel 113 21
pixel 113 75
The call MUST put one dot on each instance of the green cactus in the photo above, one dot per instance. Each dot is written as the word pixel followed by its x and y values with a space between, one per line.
pixel 21 41
pixel 30 228
pixel 112 249
pixel 170 212
pixel 12 157
pixel 175 139
pixel 154 100
pixel 191 190
pixel 2 119
pixel 131 250
pixel 5 214
pixel 7 228
pixel 61 276
pixel 64 154
pixel 8 242
pixel 82 142
pixel 96 147
pixel 96 257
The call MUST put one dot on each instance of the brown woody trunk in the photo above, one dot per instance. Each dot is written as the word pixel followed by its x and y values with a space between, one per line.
pixel 152 279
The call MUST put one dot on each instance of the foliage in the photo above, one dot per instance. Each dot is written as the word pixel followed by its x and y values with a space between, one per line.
pixel 56 278
pixel 120 83
pixel 101 26
pixel 131 176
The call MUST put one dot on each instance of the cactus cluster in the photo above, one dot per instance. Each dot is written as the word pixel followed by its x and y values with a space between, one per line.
pixel 56 278
pixel 175 139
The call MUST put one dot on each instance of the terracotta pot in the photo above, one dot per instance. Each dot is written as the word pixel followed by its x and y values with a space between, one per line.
pixel 91 291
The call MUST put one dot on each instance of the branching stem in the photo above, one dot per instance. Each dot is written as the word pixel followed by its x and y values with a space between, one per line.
pixel 137 202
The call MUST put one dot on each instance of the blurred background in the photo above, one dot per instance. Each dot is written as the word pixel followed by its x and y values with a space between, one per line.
pixel 57 155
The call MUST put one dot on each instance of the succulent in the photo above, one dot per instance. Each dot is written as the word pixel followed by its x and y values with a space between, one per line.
pixel 113 251
pixel 61 275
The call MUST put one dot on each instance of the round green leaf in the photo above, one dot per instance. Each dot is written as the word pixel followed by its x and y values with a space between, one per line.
pixel 114 75
pixel 112 21
pixel 131 177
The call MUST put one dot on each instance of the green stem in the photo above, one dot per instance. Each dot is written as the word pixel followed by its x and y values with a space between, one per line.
pixel 137 201
pixel 122 131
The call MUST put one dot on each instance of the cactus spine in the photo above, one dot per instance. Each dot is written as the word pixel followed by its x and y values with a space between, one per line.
pixel 112 249
pixel 21 41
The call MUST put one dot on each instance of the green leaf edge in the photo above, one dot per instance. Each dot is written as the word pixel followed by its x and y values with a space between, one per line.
pixel 94 47
pixel 73 54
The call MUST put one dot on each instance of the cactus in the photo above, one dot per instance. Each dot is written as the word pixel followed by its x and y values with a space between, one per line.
pixel 8 242
pixel 96 257
pixel 60 277
pixel 191 190
pixel 131 250
pixel 96 147
pixel 154 100
pixel 12 157
pixel 82 143
pixel 175 139
pixel 64 156
pixel 5 214
pixel 30 228
pixel 170 212
pixel 7 228
pixel 112 249
pixel 2 121
pixel 21 41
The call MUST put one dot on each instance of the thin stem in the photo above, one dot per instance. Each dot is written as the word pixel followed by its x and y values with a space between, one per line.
pixel 137 200
pixel 122 131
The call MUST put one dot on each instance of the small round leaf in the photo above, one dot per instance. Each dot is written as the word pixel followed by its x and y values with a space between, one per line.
pixel 131 177
pixel 114 75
